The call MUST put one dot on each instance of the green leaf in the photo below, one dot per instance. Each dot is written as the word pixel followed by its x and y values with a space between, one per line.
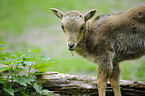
pixel 47 59
pixel 28 80
pixel 28 61
pixel 43 63
pixel 9 55
pixel 1 42
pixel 6 62
pixel 19 79
pixel 10 91
pixel 31 80
pixel 19 69
pixel 18 54
pixel 6 54
pixel 24 56
pixel 23 93
pixel 16 90
pixel 2 79
pixel 34 50
pixel 46 92
pixel 17 61
pixel 2 48
pixel 37 87
pixel 4 68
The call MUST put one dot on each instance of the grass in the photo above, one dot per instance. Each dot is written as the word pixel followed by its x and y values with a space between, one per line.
pixel 133 70
pixel 18 17
pixel 74 65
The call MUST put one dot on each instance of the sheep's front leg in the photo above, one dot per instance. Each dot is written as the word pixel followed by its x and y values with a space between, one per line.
pixel 101 82
pixel 104 70
pixel 114 79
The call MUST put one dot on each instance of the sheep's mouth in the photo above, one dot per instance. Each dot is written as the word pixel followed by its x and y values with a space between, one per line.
pixel 70 49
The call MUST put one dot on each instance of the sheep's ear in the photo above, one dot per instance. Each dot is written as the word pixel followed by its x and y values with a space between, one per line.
pixel 58 13
pixel 90 14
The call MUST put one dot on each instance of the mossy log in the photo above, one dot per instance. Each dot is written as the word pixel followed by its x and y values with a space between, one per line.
pixel 71 85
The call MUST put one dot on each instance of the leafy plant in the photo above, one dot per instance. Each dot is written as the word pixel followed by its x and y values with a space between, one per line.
pixel 22 68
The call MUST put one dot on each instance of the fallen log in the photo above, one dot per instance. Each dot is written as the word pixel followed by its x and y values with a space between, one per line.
pixel 71 85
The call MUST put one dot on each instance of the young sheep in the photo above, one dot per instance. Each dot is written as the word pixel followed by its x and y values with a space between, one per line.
pixel 106 40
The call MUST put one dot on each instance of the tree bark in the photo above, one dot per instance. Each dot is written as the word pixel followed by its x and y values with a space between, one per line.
pixel 71 85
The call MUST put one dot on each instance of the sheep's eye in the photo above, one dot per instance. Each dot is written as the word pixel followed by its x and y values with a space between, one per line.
pixel 80 15
pixel 82 28
pixel 62 27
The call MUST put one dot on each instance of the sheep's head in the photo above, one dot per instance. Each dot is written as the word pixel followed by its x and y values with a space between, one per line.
pixel 73 24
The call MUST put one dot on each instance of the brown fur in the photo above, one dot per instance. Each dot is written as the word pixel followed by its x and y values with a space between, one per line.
pixel 106 40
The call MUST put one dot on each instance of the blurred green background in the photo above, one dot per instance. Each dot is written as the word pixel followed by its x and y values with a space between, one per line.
pixel 30 24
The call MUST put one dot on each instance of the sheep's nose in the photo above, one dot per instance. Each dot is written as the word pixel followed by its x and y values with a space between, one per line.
pixel 71 45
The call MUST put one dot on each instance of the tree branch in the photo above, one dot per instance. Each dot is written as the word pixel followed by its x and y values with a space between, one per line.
pixel 65 84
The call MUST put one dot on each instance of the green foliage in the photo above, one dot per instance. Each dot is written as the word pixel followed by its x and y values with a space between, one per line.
pixel 9 90
pixel 27 62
